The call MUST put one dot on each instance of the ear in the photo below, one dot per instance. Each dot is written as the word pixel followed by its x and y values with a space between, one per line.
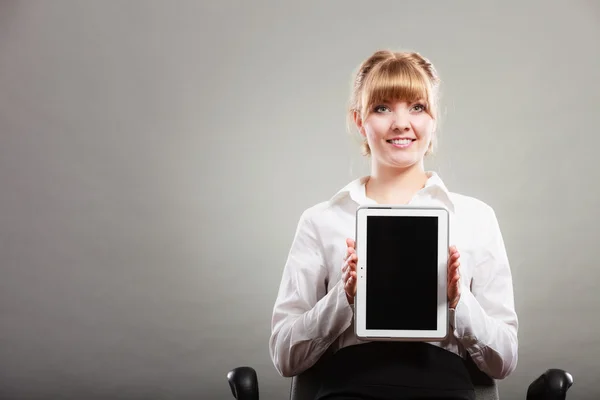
pixel 359 123
pixel 432 144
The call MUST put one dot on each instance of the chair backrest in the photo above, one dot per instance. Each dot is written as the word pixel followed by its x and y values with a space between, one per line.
pixel 305 385
pixel 485 387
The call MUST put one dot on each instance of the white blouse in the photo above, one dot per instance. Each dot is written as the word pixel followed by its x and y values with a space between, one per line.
pixel 311 312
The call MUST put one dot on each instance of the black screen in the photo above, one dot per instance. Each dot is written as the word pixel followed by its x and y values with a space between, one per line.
pixel 402 273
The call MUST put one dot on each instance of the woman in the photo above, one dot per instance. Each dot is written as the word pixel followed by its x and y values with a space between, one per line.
pixel 394 106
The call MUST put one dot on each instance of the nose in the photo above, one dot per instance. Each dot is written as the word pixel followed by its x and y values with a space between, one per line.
pixel 401 121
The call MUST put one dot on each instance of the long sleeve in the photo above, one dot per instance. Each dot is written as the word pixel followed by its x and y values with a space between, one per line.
pixel 307 318
pixel 485 321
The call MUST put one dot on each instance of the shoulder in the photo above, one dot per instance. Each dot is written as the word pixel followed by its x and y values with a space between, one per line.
pixel 472 209
pixel 475 226
pixel 315 224
pixel 336 207
pixel 315 211
pixel 476 221
pixel 470 203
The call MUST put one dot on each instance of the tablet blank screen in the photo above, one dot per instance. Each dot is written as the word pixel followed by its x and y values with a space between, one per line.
pixel 402 268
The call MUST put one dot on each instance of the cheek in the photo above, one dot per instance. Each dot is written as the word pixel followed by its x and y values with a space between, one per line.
pixel 424 127
pixel 377 128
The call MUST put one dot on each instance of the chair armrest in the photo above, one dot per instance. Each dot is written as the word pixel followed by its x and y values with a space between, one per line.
pixel 243 383
pixel 551 385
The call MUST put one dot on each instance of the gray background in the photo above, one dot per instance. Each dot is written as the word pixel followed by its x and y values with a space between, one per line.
pixel 155 157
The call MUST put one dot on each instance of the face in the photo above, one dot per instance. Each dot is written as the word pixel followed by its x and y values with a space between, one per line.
pixel 398 133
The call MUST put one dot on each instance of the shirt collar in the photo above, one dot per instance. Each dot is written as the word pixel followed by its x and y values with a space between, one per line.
pixel 356 190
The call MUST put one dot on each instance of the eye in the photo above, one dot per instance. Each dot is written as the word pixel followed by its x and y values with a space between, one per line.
pixel 381 108
pixel 419 107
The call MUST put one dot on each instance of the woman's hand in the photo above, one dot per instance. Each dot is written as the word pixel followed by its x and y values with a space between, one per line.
pixel 453 277
pixel 349 271
pixel 349 274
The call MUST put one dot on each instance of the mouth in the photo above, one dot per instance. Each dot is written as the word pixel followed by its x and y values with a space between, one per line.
pixel 405 142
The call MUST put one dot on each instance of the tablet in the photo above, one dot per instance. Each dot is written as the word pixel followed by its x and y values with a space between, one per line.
pixel 401 291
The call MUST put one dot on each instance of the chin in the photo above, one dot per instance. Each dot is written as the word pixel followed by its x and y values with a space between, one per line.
pixel 403 164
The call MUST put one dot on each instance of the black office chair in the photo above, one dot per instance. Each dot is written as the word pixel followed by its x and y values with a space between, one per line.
pixel 551 385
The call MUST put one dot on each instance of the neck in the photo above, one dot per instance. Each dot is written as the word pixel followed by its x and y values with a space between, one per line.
pixel 388 185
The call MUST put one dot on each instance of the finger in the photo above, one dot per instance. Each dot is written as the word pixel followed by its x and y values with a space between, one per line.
pixel 346 265
pixel 351 268
pixel 455 255
pixel 453 261
pixel 349 265
pixel 455 278
pixel 455 266
pixel 456 274
pixel 454 283
pixel 453 289
pixel 347 275
pixel 348 258
pixel 352 258
pixel 349 252
pixel 350 243
pixel 348 283
pixel 453 275
pixel 350 286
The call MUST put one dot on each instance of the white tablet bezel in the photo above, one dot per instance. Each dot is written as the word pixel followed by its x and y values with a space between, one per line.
pixel 362 274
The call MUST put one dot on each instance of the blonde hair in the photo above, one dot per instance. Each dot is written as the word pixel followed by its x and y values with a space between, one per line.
pixel 393 76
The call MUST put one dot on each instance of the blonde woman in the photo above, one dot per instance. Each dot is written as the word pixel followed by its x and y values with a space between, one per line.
pixel 394 106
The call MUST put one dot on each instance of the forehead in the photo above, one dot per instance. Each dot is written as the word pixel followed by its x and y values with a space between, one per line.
pixel 396 82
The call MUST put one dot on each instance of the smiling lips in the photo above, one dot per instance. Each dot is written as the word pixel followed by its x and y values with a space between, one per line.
pixel 401 143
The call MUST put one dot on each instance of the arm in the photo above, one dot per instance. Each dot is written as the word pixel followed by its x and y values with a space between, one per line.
pixel 484 320
pixel 306 318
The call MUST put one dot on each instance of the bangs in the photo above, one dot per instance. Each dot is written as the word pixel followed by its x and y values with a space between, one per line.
pixel 395 81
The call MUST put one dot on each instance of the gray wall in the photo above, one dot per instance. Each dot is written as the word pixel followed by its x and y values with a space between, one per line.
pixel 155 157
